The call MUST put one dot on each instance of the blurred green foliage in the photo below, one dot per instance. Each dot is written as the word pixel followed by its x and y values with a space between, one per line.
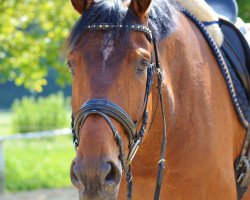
pixel 5 118
pixel 38 163
pixel 32 33
pixel 43 113
pixel 244 9
pixel 31 36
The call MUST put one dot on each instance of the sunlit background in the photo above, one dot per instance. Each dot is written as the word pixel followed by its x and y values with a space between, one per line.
pixel 35 91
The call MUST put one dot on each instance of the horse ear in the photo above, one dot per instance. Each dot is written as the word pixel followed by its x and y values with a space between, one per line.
pixel 81 5
pixel 140 7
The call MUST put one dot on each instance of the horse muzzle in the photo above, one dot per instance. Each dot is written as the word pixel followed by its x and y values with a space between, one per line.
pixel 96 179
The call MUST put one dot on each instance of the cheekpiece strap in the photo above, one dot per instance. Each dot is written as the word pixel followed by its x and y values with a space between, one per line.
pixel 134 27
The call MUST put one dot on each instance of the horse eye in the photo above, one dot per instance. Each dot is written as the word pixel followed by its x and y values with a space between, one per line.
pixel 143 65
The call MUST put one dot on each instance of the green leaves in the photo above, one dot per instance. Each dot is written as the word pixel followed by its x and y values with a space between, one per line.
pixel 244 10
pixel 32 33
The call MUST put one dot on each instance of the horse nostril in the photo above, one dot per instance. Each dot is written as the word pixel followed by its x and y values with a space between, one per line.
pixel 74 174
pixel 113 176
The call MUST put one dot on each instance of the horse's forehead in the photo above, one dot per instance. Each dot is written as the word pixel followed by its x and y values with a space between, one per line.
pixel 104 49
pixel 107 46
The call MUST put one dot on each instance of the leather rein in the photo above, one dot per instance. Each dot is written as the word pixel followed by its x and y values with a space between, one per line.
pixel 108 109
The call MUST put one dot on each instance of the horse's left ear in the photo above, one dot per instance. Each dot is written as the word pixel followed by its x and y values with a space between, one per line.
pixel 81 5
pixel 140 7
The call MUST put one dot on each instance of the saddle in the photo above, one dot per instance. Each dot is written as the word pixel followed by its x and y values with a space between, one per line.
pixel 236 52
pixel 226 8
pixel 233 58
pixel 235 48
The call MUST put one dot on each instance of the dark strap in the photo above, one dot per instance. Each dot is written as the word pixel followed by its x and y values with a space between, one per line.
pixel 109 108
pixel 242 167
pixel 241 190
pixel 161 163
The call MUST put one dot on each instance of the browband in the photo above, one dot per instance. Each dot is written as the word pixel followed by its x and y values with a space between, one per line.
pixel 134 27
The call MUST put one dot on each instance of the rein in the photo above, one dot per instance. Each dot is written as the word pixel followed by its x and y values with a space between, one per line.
pixel 108 109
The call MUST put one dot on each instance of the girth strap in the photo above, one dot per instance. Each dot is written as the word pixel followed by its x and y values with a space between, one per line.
pixel 242 167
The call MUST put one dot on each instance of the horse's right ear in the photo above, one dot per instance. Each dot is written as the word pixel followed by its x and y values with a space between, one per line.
pixel 81 5
pixel 140 7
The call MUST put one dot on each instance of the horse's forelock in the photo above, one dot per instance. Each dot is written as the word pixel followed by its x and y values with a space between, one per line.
pixel 105 11
pixel 161 19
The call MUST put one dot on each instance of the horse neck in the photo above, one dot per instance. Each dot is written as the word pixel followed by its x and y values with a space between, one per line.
pixel 193 86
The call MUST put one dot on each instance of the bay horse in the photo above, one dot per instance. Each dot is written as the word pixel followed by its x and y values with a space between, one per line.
pixel 110 60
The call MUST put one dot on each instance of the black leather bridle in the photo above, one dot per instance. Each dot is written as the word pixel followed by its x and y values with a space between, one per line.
pixel 108 109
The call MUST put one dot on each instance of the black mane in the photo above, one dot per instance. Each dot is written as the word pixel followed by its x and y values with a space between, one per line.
pixel 161 18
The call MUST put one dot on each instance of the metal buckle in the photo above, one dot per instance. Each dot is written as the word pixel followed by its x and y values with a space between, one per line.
pixel 244 172
pixel 133 152
pixel 160 77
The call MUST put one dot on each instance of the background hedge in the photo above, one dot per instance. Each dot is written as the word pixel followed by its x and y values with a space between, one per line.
pixel 37 114
pixel 244 9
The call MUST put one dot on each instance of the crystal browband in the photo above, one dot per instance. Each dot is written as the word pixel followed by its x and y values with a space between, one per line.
pixel 138 27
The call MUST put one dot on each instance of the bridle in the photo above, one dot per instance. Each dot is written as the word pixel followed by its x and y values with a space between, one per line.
pixel 107 109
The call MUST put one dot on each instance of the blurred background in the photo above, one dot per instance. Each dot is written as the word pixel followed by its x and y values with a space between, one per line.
pixel 35 95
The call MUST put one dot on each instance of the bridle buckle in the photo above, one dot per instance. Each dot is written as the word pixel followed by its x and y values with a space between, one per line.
pixel 133 152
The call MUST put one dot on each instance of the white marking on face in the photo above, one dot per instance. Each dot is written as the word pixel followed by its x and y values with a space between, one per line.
pixel 107 47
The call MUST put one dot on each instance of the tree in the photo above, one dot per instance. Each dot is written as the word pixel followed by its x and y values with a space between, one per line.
pixel 32 33
pixel 244 9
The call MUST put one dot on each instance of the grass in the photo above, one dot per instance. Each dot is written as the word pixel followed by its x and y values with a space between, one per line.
pixel 5 120
pixel 39 163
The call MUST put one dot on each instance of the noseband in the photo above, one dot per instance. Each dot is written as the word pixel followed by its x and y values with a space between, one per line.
pixel 108 109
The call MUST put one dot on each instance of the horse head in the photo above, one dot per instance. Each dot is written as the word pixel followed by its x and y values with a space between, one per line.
pixel 109 56
pixel 112 56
